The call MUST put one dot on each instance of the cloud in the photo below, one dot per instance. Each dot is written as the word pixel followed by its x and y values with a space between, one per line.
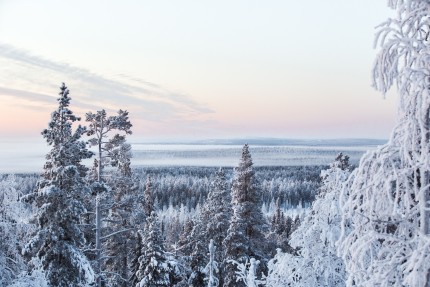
pixel 25 95
pixel 32 78
pixel 38 99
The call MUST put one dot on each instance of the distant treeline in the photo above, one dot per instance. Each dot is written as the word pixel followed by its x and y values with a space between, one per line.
pixel 189 186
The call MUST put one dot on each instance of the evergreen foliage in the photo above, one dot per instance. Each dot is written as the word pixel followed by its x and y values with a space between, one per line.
pixel 245 236
pixel 155 266
pixel 108 134
pixel 57 198
pixel 118 243
pixel 211 224
pixel 314 261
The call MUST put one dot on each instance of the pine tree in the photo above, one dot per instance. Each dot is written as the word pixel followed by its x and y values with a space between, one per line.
pixel 281 228
pixel 155 267
pixel 185 241
pixel 134 262
pixel 386 221
pixel 217 211
pixel 119 241
pixel 245 236
pixel 58 237
pixel 144 206
pixel 211 224
pixel 111 151
pixel 148 200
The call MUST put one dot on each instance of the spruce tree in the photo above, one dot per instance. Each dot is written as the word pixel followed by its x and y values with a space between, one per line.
pixel 144 205
pixel 185 241
pixel 217 212
pixel 211 224
pixel 134 262
pixel 155 268
pixel 59 208
pixel 245 236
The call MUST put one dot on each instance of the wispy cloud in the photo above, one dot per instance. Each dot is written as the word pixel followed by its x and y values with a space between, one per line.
pixel 32 78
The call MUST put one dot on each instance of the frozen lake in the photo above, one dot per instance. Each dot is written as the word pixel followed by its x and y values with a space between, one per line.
pixel 28 155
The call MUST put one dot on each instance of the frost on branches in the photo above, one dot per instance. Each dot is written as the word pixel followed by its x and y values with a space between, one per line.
pixel 245 236
pixel 316 262
pixel 211 224
pixel 14 229
pixel 247 273
pixel 155 266
pixel 58 237
pixel 385 241
pixel 212 268
pixel 108 135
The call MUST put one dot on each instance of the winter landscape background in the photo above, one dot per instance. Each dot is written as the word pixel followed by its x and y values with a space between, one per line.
pixel 176 143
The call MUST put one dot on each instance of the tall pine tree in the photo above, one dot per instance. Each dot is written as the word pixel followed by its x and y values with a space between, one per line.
pixel 119 228
pixel 108 134
pixel 58 237
pixel 245 236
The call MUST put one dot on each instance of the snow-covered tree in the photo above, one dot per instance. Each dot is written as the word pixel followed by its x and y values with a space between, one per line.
pixel 108 135
pixel 14 229
pixel 212 267
pixel 100 129
pixel 184 245
pixel 217 211
pixel 119 240
pixel 316 262
pixel 245 235
pixel 57 198
pixel 385 241
pixel 155 267
pixel 211 224
pixel 247 273
pixel 134 262
pixel 148 198
pixel 144 206
pixel 282 227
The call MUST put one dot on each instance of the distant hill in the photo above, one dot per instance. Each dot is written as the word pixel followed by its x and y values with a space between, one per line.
pixel 284 142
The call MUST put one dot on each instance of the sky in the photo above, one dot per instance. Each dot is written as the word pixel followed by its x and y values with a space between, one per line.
pixel 194 69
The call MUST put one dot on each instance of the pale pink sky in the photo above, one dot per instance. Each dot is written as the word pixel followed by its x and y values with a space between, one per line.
pixel 197 69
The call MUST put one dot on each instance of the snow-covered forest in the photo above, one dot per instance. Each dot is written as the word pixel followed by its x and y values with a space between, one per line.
pixel 109 224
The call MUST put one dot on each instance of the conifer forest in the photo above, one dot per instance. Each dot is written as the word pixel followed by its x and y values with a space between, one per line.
pixel 90 217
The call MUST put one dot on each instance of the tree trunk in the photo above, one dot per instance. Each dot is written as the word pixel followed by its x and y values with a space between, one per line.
pixel 98 243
